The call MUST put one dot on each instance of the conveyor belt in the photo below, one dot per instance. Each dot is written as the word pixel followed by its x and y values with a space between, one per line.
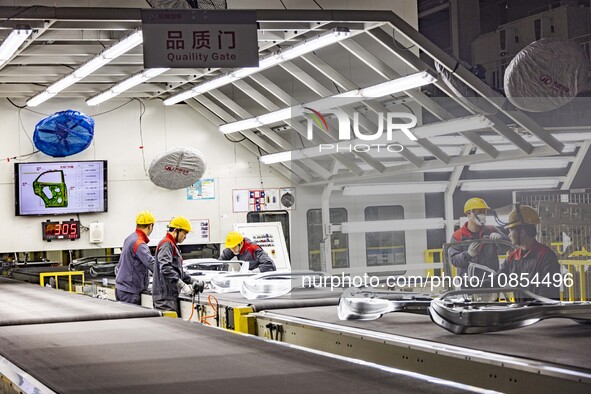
pixel 556 341
pixel 25 303
pixel 298 298
pixel 146 355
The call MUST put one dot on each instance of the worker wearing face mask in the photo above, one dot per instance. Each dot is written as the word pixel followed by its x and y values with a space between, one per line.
pixel 487 254
pixel 532 261
pixel 245 250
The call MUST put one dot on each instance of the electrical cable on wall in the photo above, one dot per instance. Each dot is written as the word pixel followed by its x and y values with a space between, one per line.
pixel 260 172
pixel 142 112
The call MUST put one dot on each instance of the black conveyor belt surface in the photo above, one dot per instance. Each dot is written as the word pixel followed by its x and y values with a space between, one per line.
pixel 557 341
pixel 173 356
pixel 299 298
pixel 25 303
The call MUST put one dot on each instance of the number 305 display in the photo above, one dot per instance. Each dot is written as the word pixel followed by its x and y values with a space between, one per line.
pixel 61 230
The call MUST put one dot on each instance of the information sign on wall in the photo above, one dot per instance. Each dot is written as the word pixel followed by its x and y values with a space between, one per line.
pixel 255 200
pixel 199 38
pixel 203 189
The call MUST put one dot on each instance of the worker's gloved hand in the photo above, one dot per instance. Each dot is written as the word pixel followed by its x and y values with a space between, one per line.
pixel 473 249
pixel 495 236
pixel 185 288
pixel 198 286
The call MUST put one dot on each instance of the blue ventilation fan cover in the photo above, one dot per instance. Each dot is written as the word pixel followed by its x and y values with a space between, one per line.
pixel 64 133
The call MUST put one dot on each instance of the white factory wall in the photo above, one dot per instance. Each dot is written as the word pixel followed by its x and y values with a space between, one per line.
pixel 117 140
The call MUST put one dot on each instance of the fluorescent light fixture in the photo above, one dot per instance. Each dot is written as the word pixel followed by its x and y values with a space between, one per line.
pixel 129 42
pixel 314 43
pixel 13 42
pixel 396 85
pixel 459 125
pixel 61 84
pixel 392 225
pixel 245 124
pixel 395 188
pixel 276 116
pixel 89 67
pixel 389 87
pixel 513 184
pixel 524 164
pixel 214 84
pixel 41 97
pixel 102 97
pixel 126 84
pixel 276 157
pixel 284 55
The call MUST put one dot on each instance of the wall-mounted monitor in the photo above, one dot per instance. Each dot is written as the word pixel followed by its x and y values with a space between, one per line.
pixel 60 187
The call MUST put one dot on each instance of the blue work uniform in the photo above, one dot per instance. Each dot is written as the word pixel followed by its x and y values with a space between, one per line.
pixel 133 269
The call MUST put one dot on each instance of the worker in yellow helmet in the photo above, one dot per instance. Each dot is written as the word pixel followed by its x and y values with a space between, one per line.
pixel 535 264
pixel 132 276
pixel 170 279
pixel 245 250
pixel 462 252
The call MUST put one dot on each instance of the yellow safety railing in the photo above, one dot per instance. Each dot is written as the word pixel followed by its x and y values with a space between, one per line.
pixel 434 256
pixel 55 275
pixel 574 266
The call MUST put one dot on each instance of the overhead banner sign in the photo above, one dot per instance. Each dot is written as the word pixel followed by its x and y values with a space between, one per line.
pixel 199 38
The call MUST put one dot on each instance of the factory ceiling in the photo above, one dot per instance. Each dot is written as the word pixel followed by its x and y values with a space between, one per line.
pixel 372 48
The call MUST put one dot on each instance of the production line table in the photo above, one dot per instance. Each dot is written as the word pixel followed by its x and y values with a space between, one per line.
pixel 54 341
pixel 549 356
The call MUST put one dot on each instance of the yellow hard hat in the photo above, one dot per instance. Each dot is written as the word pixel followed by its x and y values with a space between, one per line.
pixel 475 203
pixel 145 217
pixel 523 214
pixel 233 238
pixel 181 223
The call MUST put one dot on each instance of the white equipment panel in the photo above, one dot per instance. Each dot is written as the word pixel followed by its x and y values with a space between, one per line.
pixel 268 236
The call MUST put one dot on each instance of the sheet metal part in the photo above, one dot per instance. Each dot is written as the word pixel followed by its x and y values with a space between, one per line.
pixel 371 304
pixel 276 284
pixel 469 311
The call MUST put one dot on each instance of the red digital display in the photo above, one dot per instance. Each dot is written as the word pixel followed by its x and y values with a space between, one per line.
pixel 61 230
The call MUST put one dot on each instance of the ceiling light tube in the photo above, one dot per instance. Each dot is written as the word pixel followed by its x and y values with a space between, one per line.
pixel 88 67
pixel 302 48
pixel 245 124
pixel 392 225
pixel 13 42
pixel 63 83
pixel 396 85
pixel 276 157
pixel 389 87
pixel 315 43
pixel 512 184
pixel 524 164
pixel 459 125
pixel 123 46
pixel 395 188
pixel 41 97
pixel 101 97
pixel 126 84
